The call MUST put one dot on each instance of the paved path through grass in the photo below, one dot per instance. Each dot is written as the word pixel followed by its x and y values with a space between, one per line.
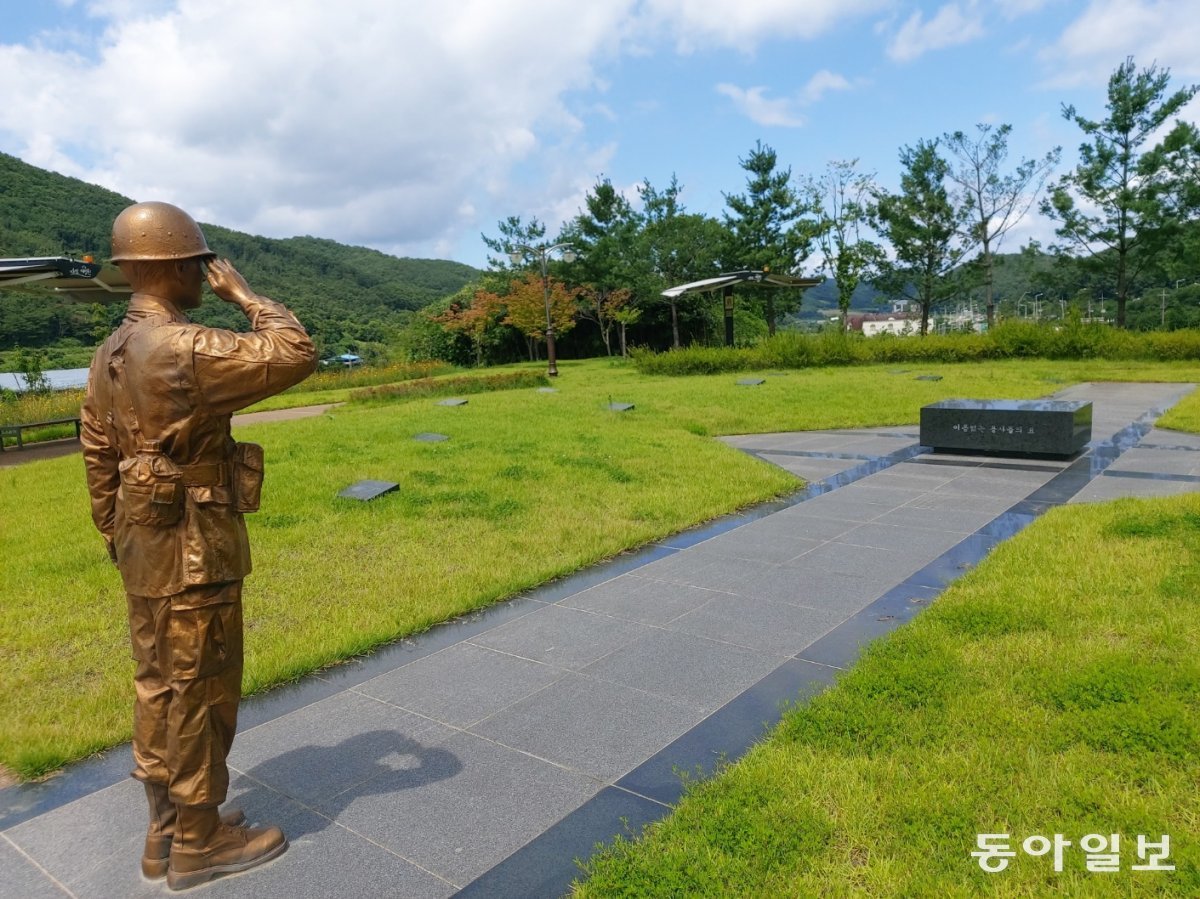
pixel 484 756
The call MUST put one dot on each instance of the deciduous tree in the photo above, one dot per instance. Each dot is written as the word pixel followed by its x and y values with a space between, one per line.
pixel 842 199
pixel 525 305
pixel 993 199
pixel 474 313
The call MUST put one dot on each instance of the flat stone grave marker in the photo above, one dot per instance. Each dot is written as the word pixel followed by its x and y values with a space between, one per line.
pixel 453 402
pixel 927 378
pixel 546 390
pixel 899 371
pixel 1007 427
pixel 429 437
pixel 620 407
pixel 751 382
pixel 367 490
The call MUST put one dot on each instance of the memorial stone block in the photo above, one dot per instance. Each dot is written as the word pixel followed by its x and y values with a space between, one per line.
pixel 368 490
pixel 1007 427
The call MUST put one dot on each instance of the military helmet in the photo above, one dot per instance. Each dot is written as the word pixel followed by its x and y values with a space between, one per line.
pixel 150 231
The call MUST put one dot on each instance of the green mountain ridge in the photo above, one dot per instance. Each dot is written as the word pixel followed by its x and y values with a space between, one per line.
pixel 345 295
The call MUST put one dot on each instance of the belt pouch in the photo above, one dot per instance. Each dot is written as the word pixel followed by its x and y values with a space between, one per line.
pixel 247 476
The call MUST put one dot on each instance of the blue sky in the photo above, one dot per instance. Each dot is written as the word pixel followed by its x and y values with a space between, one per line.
pixel 412 127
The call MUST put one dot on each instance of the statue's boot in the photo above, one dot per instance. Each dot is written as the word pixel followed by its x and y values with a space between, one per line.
pixel 205 848
pixel 162 829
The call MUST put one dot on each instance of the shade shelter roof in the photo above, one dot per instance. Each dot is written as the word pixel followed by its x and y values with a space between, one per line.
pixel 770 279
pixel 89 282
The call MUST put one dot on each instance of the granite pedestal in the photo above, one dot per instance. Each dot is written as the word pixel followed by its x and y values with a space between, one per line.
pixel 1057 428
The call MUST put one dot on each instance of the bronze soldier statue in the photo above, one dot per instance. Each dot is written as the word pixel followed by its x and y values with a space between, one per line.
pixel 169 487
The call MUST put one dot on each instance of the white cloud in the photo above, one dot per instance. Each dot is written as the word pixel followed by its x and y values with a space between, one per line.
pixel 949 27
pixel 286 122
pixel 783 111
pixel 1014 9
pixel 399 125
pixel 1095 43
pixel 821 83
pixel 743 24
pixel 752 104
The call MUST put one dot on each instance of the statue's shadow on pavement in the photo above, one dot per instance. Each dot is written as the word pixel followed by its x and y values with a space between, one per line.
pixel 377 762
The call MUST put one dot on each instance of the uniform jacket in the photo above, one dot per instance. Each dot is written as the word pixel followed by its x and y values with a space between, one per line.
pixel 162 383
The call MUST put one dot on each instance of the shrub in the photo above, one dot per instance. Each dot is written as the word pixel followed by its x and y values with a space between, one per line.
pixel 404 390
pixel 338 377
pixel 1073 339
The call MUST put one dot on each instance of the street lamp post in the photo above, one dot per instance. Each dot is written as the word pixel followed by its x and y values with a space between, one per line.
pixel 542 254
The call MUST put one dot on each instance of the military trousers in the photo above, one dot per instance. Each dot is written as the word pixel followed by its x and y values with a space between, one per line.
pixel 188 682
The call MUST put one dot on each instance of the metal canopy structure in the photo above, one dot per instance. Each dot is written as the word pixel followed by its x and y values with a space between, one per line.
pixel 726 282
pixel 88 282
pixel 768 279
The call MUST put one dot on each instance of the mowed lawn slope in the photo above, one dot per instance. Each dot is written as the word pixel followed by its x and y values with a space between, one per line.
pixel 529 487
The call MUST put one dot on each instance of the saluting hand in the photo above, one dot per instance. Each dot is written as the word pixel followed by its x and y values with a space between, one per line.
pixel 228 283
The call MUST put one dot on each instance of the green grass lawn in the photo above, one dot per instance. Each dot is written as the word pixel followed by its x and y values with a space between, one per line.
pixel 1053 690
pixel 1185 415
pixel 531 486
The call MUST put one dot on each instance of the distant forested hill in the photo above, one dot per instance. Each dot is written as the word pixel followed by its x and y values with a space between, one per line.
pixel 343 294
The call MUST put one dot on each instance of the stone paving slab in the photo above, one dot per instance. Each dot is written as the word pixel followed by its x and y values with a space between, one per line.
pixel 635 598
pixel 563 637
pixel 482 755
pixel 1103 489
pixel 493 800
pixel 593 725
pixel 22 877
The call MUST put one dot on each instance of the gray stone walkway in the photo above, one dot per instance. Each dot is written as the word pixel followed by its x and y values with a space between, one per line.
pixel 483 757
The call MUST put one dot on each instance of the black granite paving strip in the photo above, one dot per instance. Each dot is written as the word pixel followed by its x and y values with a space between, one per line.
pixel 546 866
pixel 1174 449
pixel 849 476
pixel 1152 475
pixel 871 465
pixel 910 435
pixel 811 454
pixel 995 466
pixel 1077 475
pixel 727 733
pixel 22 802
pixel 844 644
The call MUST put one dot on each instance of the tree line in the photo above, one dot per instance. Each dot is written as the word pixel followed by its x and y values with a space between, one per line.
pixel 1127 218
pixel 350 298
